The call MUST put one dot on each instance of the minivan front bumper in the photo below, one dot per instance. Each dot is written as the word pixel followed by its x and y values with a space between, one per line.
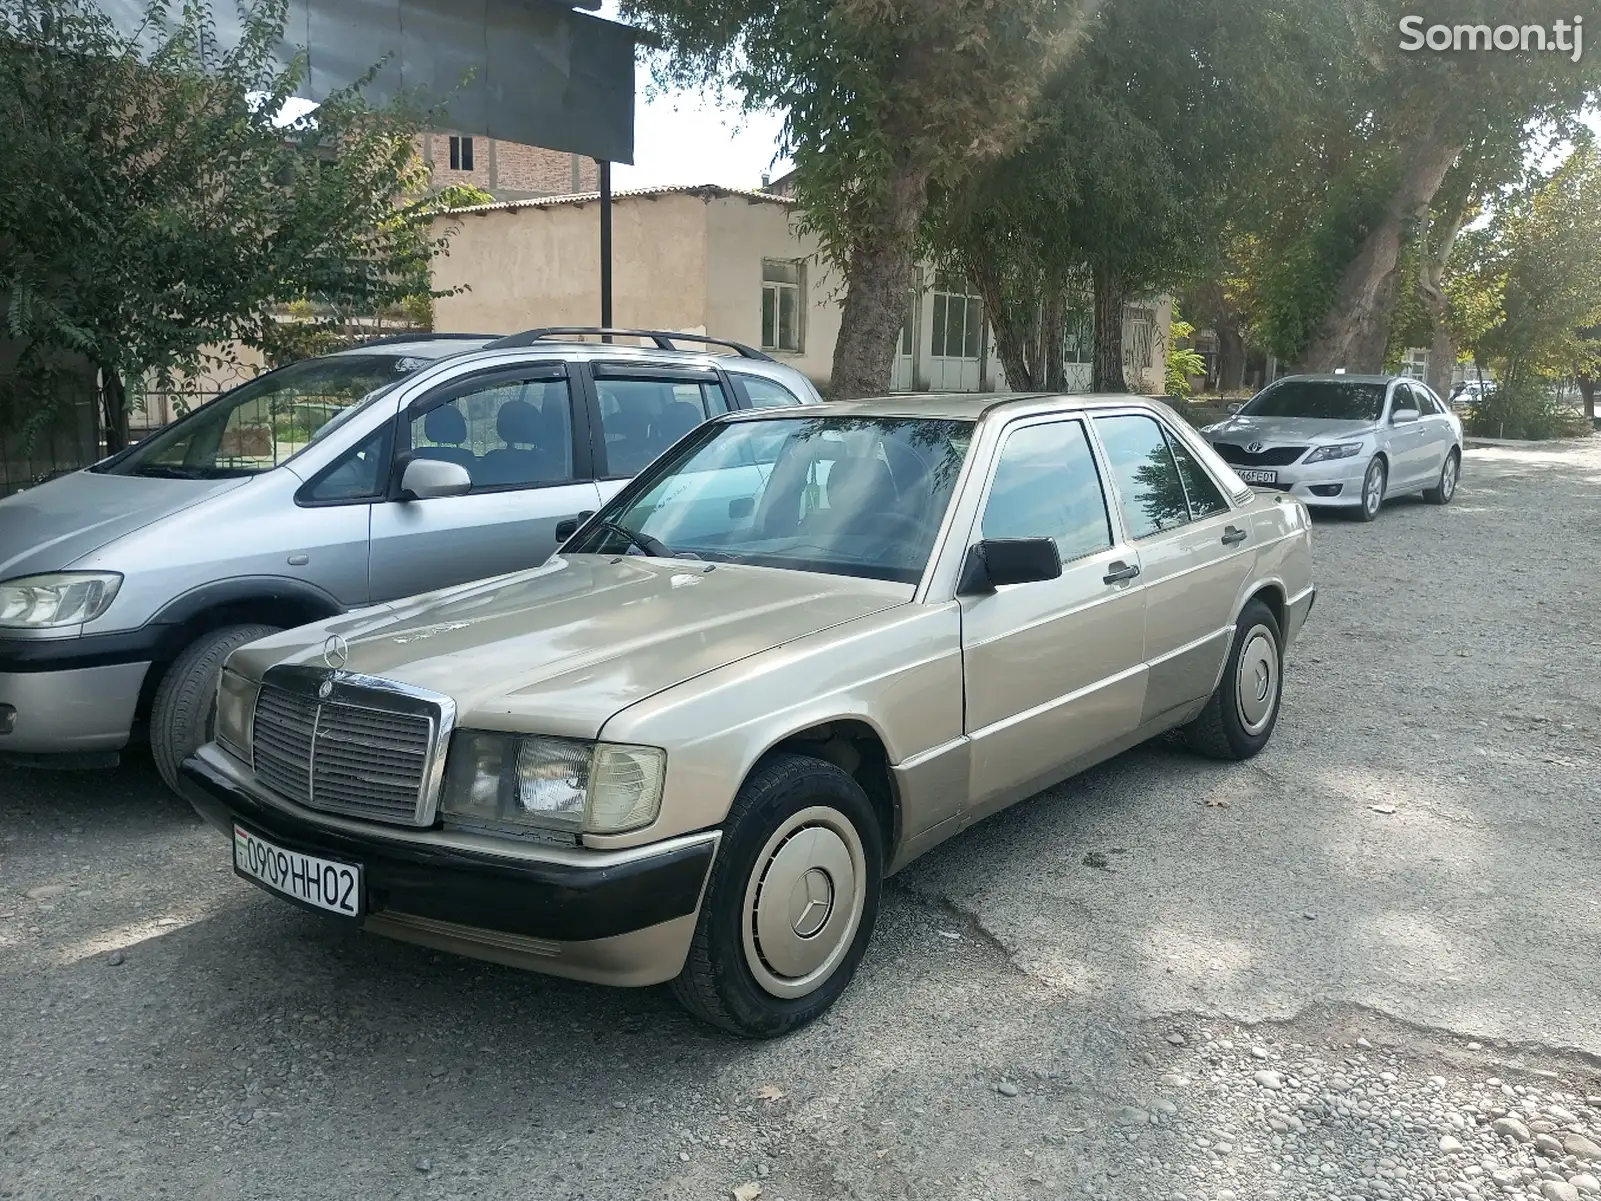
pixel 607 917
pixel 69 711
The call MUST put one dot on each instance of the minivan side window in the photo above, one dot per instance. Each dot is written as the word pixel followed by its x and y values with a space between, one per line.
pixel 507 433
pixel 642 417
pixel 357 476
pixel 765 394
pixel 1147 475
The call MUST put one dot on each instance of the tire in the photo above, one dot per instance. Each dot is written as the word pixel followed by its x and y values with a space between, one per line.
pixel 184 715
pixel 1450 473
pixel 1227 728
pixel 762 969
pixel 1374 482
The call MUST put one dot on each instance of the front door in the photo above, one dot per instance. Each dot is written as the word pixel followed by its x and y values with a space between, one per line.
pixel 513 432
pixel 1054 670
pixel 1409 450
pixel 1194 556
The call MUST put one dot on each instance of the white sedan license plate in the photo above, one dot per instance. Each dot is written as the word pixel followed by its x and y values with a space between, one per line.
pixel 325 884
pixel 1258 477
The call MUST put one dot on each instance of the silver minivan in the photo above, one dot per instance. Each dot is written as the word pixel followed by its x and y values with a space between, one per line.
pixel 334 483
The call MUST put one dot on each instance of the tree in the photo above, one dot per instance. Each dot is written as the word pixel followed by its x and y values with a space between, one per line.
pixel 883 100
pixel 154 205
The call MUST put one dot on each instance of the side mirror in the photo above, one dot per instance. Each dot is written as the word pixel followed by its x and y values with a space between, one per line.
pixel 1404 416
pixel 741 507
pixel 996 562
pixel 567 527
pixel 429 479
pixel 1234 406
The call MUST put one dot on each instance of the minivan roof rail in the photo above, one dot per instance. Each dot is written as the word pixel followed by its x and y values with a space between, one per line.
pixel 663 338
pixel 420 336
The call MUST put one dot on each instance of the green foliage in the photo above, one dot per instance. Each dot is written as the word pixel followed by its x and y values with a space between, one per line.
pixel 1526 408
pixel 152 205
pixel 1183 362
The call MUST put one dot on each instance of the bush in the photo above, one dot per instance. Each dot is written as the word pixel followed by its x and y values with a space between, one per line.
pixel 1525 411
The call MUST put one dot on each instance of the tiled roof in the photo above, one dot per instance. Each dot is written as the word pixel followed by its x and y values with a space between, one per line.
pixel 706 191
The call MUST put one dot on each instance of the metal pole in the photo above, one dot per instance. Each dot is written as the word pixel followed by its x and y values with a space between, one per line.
pixel 605 246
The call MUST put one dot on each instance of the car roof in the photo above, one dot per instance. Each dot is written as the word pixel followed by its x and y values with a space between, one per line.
pixel 1331 377
pixel 963 406
pixel 614 352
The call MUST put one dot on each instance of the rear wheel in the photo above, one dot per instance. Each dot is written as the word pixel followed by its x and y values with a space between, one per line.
pixel 1239 718
pixel 1450 472
pixel 1374 482
pixel 184 717
pixel 791 902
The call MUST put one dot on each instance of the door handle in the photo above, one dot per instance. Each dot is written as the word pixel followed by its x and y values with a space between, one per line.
pixel 567 527
pixel 1232 534
pixel 1120 572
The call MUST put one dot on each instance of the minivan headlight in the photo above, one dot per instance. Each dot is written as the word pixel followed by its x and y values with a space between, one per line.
pixel 65 598
pixel 513 783
pixel 236 712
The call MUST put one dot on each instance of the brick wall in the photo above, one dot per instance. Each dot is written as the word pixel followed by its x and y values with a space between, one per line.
pixel 510 171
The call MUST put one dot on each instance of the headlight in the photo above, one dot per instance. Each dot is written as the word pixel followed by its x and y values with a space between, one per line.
pixel 236 712
pixel 66 598
pixel 508 782
pixel 1345 450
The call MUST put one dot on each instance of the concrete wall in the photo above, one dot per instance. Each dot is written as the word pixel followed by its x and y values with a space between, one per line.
pixel 509 170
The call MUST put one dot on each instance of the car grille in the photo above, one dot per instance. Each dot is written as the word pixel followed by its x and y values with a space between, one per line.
pixel 1272 456
pixel 343 758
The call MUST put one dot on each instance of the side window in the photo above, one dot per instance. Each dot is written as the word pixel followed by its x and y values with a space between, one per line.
pixel 1046 486
pixel 1204 497
pixel 357 476
pixel 1428 403
pixel 507 434
pixel 640 418
pixel 1404 398
pixel 765 394
pixel 1147 476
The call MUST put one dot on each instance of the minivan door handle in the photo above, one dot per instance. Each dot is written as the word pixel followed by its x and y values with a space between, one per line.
pixel 1233 534
pixel 567 527
pixel 1120 572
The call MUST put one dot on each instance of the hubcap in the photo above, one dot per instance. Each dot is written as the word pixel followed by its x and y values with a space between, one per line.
pixel 804 902
pixel 1257 684
pixel 1373 494
pixel 1448 480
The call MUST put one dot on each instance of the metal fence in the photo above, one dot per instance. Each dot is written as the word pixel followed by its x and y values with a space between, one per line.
pixel 68 443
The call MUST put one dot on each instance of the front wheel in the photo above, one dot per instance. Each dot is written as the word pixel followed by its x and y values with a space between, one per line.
pixel 791 902
pixel 1373 485
pixel 1240 716
pixel 184 717
pixel 1450 472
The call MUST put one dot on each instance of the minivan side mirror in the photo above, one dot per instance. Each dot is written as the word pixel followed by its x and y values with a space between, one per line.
pixel 996 562
pixel 430 479
pixel 1404 416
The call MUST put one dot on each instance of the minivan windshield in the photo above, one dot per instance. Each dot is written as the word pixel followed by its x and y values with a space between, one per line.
pixel 1327 400
pixel 857 496
pixel 261 424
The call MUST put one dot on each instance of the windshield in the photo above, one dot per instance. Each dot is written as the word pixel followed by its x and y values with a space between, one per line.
pixel 1328 400
pixel 858 496
pixel 256 427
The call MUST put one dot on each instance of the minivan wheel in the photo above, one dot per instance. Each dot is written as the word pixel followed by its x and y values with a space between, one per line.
pixel 790 905
pixel 1240 716
pixel 1445 489
pixel 184 716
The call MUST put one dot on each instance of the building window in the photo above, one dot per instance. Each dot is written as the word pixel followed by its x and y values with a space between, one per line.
pixel 783 304
pixel 1139 333
pixel 1078 330
pixel 958 318
pixel 461 154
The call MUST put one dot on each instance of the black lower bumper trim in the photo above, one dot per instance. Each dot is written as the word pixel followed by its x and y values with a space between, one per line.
pixel 557 901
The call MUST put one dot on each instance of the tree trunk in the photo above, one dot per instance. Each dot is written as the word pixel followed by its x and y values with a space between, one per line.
pixel 1110 297
pixel 1052 320
pixel 113 409
pixel 1356 331
pixel 1442 360
pixel 1230 357
pixel 1016 334
pixel 877 281
pixel 1587 390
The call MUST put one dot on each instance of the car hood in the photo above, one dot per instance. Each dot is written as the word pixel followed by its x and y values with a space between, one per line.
pixel 560 649
pixel 1281 430
pixel 50 527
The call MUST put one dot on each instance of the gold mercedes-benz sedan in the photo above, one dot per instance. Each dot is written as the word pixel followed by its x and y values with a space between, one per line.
pixel 797 652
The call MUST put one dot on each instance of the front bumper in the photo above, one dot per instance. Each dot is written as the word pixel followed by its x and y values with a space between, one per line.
pixel 1336 482
pixel 609 917
pixel 69 711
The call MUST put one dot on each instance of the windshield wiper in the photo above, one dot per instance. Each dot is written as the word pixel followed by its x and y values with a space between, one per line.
pixel 162 472
pixel 651 546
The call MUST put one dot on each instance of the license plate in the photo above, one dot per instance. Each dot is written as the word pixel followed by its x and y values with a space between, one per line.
pixel 325 884
pixel 1257 477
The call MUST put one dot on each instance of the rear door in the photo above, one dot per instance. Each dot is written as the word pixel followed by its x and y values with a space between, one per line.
pixel 1438 434
pixel 638 412
pixel 523 441
pixel 1194 556
pixel 1409 449
pixel 1054 670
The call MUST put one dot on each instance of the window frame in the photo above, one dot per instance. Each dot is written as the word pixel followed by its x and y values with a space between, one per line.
pixel 778 287
pixel 1114 528
pixel 942 297
pixel 462 157
pixel 540 370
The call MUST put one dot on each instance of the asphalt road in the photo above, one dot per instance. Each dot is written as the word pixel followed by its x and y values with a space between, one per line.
pixel 1412 861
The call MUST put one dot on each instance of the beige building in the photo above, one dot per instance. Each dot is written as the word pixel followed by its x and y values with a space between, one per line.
pixel 729 263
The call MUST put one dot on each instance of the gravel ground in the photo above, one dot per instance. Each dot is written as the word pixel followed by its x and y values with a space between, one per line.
pixel 1360 966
